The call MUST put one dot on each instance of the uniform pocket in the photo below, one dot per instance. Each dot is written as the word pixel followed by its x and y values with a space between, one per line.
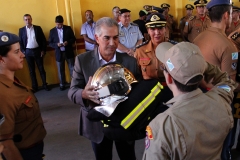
pixel 144 61
pixel 29 111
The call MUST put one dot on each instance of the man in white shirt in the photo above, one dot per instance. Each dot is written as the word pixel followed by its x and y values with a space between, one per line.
pixel 33 45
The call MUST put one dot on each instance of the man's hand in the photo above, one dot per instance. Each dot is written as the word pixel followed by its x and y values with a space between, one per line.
pixel 206 85
pixel 60 44
pixel 89 93
pixel 42 54
pixel 65 43
pixel 130 52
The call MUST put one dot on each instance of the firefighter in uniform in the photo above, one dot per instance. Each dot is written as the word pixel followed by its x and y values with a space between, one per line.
pixel 235 21
pixel 235 38
pixel 196 24
pixel 169 18
pixel 189 9
pixel 145 53
pixel 221 53
pixel 173 135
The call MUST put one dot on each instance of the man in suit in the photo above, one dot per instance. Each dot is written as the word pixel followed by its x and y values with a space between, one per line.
pixel 33 45
pixel 61 39
pixel 81 92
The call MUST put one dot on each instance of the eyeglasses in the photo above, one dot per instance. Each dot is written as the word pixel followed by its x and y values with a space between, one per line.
pixel 163 67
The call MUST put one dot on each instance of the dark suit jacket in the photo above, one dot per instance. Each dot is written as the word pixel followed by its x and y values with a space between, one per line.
pixel 85 66
pixel 40 38
pixel 68 36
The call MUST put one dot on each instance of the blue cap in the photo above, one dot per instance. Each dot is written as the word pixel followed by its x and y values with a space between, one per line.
pixel 7 39
pixel 159 10
pixel 213 3
pixel 155 20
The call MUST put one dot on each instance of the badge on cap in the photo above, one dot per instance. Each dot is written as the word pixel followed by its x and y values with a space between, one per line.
pixel 155 18
pixel 170 65
pixel 4 38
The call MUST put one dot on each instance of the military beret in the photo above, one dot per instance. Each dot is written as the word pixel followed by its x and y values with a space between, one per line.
pixel 7 39
pixel 165 5
pixel 189 6
pixel 213 3
pixel 235 8
pixel 124 10
pixel 143 13
pixel 148 8
pixel 155 20
pixel 200 3
pixel 157 9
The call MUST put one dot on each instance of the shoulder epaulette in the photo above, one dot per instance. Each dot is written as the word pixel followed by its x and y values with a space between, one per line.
pixel 134 24
pixel 173 42
pixel 235 35
pixel 191 18
pixel 144 43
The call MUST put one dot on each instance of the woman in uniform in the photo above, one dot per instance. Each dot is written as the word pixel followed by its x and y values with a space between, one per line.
pixel 19 106
pixel 145 53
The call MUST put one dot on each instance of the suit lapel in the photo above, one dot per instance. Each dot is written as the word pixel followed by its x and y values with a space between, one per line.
pixel 56 33
pixel 64 32
pixel 119 58
pixel 35 30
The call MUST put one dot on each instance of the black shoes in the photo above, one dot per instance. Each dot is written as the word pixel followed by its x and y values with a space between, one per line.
pixel 62 88
pixel 45 86
pixel 35 89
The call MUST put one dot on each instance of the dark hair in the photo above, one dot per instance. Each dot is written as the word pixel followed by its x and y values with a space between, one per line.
pixel 88 11
pixel 4 50
pixel 216 12
pixel 27 15
pixel 188 88
pixel 59 19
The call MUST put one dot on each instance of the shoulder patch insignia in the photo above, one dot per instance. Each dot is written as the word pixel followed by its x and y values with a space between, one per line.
pixel 191 18
pixel 235 35
pixel 140 45
pixel 149 132
pixel 225 87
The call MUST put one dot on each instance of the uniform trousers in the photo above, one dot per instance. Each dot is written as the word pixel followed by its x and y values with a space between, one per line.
pixel 103 150
pixel 32 56
pixel 32 153
pixel 61 68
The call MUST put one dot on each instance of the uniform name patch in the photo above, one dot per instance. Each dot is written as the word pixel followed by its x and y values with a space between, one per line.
pixel 225 87
pixel 235 56
pixel 28 100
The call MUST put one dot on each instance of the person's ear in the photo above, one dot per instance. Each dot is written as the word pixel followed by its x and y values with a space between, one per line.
pixel 168 78
pixel 97 38
pixel 226 15
pixel 1 60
